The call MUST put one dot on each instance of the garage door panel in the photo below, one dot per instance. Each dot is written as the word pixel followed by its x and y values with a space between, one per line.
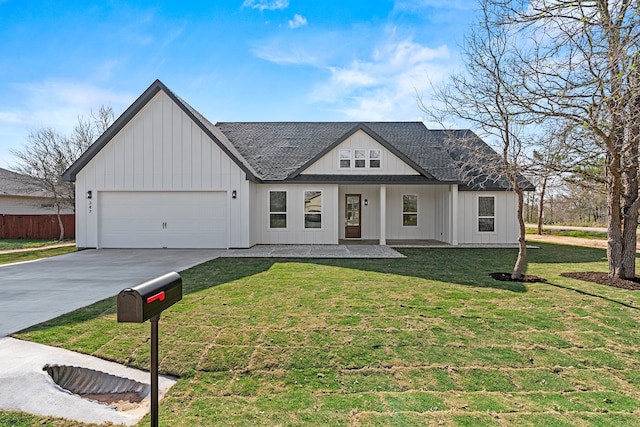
pixel 163 219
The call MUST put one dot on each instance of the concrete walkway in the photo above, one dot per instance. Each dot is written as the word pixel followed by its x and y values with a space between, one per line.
pixel 314 251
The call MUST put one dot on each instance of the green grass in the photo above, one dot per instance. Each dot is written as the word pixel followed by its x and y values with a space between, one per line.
pixel 13 257
pixel 426 340
pixel 10 244
pixel 571 233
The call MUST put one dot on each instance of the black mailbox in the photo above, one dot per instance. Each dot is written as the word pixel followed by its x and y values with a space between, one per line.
pixel 149 299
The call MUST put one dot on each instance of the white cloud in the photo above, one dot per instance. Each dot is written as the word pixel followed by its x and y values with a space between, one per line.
pixel 58 103
pixel 266 4
pixel 294 56
pixel 9 116
pixel 52 103
pixel 297 21
pixel 383 87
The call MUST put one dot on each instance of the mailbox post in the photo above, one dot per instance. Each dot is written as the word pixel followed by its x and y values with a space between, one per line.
pixel 145 302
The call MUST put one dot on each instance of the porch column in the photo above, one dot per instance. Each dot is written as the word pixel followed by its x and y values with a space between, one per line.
pixel 383 214
pixel 454 214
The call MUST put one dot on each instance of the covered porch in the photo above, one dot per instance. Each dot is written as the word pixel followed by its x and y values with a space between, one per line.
pixel 403 215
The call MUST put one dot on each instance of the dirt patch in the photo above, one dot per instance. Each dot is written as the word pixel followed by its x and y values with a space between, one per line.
pixel 575 241
pixel 506 277
pixel 604 279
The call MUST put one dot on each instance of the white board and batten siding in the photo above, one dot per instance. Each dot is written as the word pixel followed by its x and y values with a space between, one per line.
pixel 506 224
pixel 329 164
pixel 162 157
pixel 295 232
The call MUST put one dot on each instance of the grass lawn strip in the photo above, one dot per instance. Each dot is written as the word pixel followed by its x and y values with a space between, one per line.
pixel 429 339
pixel 31 255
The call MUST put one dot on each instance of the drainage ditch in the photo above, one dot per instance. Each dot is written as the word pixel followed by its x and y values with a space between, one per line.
pixel 96 385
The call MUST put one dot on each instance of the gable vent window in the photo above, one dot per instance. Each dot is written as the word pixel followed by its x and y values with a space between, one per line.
pixel 360 158
pixel 313 209
pixel 345 159
pixel 374 159
pixel 277 209
pixel 486 214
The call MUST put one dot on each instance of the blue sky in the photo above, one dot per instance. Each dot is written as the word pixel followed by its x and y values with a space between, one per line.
pixel 232 60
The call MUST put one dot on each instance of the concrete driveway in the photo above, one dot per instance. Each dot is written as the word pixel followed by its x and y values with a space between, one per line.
pixel 33 292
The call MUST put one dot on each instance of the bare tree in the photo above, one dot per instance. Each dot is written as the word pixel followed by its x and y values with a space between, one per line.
pixel 47 154
pixel 482 95
pixel 581 63
pixel 561 149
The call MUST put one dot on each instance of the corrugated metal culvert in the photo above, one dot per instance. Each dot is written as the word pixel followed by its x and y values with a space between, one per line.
pixel 96 385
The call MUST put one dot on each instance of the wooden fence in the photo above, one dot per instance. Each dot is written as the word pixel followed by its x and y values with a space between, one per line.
pixel 36 226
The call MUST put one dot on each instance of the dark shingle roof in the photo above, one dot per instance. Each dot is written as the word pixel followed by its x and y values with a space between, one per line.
pixel 281 151
pixel 277 150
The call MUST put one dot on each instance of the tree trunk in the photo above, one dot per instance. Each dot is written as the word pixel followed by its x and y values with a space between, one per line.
pixel 522 243
pixel 614 229
pixel 541 205
pixel 60 224
pixel 631 202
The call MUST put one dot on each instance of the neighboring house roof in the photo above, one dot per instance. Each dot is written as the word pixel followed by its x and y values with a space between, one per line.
pixel 281 151
pixel 15 184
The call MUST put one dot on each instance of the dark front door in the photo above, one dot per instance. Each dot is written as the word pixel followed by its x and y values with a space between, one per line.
pixel 353 216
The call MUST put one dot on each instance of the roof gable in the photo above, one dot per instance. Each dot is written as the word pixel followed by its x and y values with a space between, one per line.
pixel 361 127
pixel 130 113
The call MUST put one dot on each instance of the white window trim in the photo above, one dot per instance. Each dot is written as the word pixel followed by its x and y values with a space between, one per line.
pixel 367 159
pixel 350 159
pixel 269 213
pixel 304 214
pixel 478 216
pixel 364 150
pixel 417 212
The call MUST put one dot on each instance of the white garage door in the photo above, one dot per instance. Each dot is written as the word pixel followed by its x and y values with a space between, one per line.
pixel 141 219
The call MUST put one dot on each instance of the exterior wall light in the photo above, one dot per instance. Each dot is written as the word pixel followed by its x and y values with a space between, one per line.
pixel 89 194
pixel 234 194
pixel 366 202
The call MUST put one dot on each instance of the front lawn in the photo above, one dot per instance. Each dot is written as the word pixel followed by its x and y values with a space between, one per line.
pixel 426 340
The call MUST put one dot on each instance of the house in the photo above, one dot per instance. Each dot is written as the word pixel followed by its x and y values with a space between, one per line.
pixel 164 176
pixel 27 211
pixel 20 195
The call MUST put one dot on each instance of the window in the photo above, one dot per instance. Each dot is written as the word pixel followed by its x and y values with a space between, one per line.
pixel 277 209
pixel 360 158
pixel 409 210
pixel 374 159
pixel 486 213
pixel 313 209
pixel 345 159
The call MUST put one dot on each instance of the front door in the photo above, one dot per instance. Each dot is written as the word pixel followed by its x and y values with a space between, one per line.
pixel 353 216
